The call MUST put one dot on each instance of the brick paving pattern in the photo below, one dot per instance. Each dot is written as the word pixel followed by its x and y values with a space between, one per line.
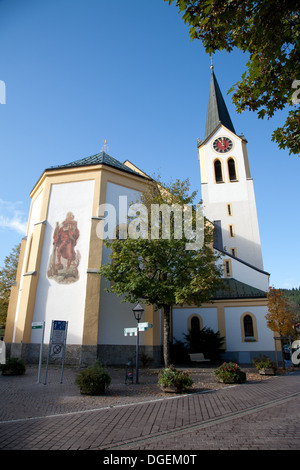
pixel 260 414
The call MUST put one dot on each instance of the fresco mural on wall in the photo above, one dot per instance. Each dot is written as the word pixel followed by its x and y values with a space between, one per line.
pixel 64 260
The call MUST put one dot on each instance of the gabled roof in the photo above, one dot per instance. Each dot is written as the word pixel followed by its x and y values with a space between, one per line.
pixel 101 158
pixel 233 289
pixel 217 112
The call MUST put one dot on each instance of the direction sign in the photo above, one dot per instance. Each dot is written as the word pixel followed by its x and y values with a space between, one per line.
pixel 133 331
pixel 130 331
pixel 144 326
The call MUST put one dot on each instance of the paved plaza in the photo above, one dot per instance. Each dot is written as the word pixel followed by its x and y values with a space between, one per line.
pixel 262 414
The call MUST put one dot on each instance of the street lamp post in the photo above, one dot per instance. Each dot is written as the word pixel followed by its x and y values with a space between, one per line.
pixel 138 312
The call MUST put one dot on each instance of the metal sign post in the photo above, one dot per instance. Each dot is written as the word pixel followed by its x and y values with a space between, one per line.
pixel 38 326
pixel 135 332
pixel 57 344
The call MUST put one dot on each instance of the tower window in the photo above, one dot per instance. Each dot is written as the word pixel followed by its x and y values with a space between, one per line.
pixel 218 171
pixel 231 231
pixel 229 209
pixel 227 268
pixel 233 251
pixel 231 169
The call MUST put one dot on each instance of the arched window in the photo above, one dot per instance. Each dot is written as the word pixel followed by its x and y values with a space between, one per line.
pixel 195 325
pixel 248 327
pixel 218 171
pixel 231 169
pixel 194 322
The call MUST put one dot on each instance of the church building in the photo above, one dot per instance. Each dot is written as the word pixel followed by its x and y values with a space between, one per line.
pixel 58 280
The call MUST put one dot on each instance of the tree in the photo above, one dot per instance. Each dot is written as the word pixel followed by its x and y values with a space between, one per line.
pixel 7 279
pixel 161 271
pixel 280 317
pixel 293 296
pixel 269 31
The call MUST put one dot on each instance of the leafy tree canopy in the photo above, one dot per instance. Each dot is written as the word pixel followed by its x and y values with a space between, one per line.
pixel 7 279
pixel 280 318
pixel 269 31
pixel 162 272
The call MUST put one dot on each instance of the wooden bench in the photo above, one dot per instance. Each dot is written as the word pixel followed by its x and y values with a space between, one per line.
pixel 198 357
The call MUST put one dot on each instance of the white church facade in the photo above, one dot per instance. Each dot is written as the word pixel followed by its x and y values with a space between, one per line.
pixel 58 278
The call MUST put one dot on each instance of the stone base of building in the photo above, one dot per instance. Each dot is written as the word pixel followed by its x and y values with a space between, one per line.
pixel 84 355
pixel 118 355
pixel 111 354
pixel 246 357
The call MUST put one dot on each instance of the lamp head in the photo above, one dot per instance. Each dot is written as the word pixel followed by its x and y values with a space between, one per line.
pixel 138 312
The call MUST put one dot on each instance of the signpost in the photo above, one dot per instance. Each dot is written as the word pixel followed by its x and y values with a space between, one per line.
pixel 144 326
pixel 57 344
pixel 135 332
pixel 39 326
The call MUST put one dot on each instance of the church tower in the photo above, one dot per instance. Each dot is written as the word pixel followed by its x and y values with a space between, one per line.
pixel 226 184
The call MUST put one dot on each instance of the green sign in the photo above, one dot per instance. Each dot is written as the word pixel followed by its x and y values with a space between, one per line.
pixel 36 325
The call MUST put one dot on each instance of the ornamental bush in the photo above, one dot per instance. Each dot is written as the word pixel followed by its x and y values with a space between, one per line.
pixel 93 380
pixel 206 341
pixel 229 372
pixel 171 377
pixel 263 362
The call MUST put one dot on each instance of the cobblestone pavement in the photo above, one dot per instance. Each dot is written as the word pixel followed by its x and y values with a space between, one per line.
pixel 260 414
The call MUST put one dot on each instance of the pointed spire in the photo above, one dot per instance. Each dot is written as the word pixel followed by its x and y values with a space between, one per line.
pixel 217 111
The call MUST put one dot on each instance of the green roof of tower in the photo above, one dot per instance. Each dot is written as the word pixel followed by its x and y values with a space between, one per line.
pixel 217 111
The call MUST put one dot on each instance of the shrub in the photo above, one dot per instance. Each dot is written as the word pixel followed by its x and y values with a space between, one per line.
pixel 207 342
pixel 171 377
pixel 229 372
pixel 13 366
pixel 263 362
pixel 93 380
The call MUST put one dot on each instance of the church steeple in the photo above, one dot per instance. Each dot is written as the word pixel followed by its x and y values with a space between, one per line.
pixel 217 111
pixel 226 183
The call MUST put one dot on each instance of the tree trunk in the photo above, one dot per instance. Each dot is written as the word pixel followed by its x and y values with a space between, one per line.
pixel 166 344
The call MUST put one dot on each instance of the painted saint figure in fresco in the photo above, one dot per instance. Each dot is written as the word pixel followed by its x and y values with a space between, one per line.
pixel 64 262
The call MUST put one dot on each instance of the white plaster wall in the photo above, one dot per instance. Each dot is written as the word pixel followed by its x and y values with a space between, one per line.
pixel 114 315
pixel 240 194
pixel 181 315
pixel 246 274
pixel 114 191
pixel 65 301
pixel 234 333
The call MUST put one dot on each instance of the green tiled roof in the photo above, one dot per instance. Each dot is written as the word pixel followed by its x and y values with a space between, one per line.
pixel 101 158
pixel 217 111
pixel 233 289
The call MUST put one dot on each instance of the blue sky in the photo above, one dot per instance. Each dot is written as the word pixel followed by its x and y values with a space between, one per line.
pixel 80 71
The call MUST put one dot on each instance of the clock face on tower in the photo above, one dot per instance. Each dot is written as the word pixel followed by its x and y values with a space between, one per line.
pixel 222 145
